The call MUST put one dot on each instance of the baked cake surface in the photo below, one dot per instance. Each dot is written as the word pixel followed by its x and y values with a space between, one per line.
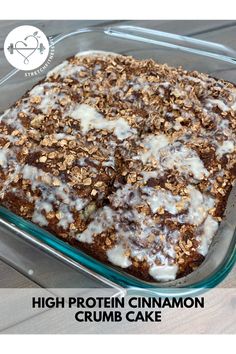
pixel 131 161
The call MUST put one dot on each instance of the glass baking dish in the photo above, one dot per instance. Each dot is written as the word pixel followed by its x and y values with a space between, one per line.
pixel 192 54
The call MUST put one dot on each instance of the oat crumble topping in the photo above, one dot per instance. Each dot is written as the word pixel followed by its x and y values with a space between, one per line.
pixel 129 160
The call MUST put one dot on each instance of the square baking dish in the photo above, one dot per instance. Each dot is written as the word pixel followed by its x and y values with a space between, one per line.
pixel 192 54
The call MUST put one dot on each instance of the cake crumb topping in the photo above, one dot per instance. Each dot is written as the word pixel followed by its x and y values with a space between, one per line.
pixel 130 160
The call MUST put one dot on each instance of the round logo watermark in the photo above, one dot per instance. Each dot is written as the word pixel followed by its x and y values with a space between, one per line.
pixel 26 48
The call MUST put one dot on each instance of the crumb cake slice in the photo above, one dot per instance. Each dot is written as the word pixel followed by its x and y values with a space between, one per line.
pixel 131 161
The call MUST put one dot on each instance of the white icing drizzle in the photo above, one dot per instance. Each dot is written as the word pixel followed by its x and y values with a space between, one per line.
pixel 66 217
pixel 196 80
pixel 37 90
pixel 210 227
pixel 10 118
pixel 52 195
pixel 99 53
pixel 185 160
pixel 49 97
pixel 117 256
pixel 199 207
pixel 196 203
pixel 168 155
pixel 223 104
pixel 61 136
pixel 39 218
pixel 161 198
pixel 103 220
pixel 9 180
pixel 153 144
pixel 163 272
pixel 149 174
pixel 91 119
pixel 225 148
pixel 66 69
pixel 123 196
pixel 161 149
pixel 110 162
pixel 80 203
pixel 58 69
pixel 219 103
pixel 145 227
pixel 9 138
pixel 3 157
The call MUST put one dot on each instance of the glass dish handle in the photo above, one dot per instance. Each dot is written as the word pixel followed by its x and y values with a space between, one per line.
pixel 170 40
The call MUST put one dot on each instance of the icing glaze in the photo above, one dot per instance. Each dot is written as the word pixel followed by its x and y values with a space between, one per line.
pixel 150 148
pixel 91 119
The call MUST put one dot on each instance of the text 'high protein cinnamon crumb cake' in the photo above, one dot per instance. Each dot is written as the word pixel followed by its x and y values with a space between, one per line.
pixel 129 160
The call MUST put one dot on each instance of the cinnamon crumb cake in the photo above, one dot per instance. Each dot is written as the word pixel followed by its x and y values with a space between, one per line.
pixel 129 160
